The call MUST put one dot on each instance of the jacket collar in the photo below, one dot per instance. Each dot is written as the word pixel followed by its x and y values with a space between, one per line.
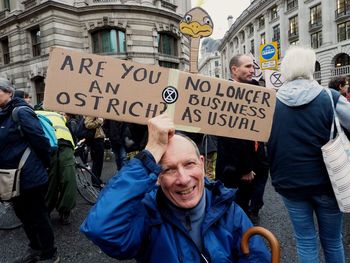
pixel 218 200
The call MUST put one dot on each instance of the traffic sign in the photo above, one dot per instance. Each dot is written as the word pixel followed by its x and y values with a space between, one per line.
pixel 269 56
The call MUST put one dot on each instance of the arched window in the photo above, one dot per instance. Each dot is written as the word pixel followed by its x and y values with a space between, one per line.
pixel 167 44
pixel 317 66
pixel 108 40
pixel 342 60
pixel 39 87
pixel 317 74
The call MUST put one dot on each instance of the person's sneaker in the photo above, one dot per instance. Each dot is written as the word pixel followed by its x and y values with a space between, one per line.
pixel 54 259
pixel 65 218
pixel 30 256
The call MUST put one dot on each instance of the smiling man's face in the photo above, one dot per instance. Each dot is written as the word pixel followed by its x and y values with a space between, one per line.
pixel 182 179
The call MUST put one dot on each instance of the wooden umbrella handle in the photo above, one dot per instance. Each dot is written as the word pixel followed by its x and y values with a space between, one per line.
pixel 274 244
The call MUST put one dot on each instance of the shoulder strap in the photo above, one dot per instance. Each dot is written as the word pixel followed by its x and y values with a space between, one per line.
pixel 24 158
pixel 335 116
pixel 16 119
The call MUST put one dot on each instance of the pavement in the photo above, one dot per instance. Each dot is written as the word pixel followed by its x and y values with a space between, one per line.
pixel 75 247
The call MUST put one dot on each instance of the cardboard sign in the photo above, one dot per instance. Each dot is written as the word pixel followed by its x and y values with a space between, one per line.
pixel 102 86
pixel 273 79
pixel 269 56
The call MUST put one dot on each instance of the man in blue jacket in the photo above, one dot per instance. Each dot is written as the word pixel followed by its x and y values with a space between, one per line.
pixel 160 208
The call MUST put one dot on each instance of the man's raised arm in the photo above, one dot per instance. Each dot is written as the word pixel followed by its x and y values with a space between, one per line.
pixel 118 222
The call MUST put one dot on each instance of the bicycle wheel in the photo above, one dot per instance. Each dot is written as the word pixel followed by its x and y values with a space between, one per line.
pixel 85 179
pixel 8 218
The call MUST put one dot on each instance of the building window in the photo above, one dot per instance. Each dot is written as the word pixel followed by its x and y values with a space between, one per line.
pixel 262 39
pixel 7 5
pixel 108 41
pixel 274 12
pixel 317 73
pixel 251 29
pixel 244 50
pixel 293 26
pixel 39 86
pixel 252 48
pixel 316 40
pixel 342 60
pixel 167 64
pixel 291 4
pixel 235 40
pixel 276 38
pixel 216 63
pixel 316 15
pixel 242 36
pixel 344 31
pixel 276 33
pixel 167 44
pixel 36 41
pixel 261 21
pixel 5 50
pixel 343 7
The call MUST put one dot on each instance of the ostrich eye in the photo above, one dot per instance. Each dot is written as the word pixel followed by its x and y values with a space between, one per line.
pixel 188 18
pixel 207 21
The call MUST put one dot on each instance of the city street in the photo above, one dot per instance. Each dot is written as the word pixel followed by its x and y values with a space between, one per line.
pixel 74 247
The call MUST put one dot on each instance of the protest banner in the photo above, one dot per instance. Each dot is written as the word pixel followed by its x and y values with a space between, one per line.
pixel 101 86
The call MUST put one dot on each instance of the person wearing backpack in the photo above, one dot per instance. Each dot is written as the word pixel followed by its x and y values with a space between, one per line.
pixel 30 206
pixel 62 191
pixel 96 144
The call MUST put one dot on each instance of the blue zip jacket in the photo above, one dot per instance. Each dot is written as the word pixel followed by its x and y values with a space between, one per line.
pixel 13 144
pixel 132 220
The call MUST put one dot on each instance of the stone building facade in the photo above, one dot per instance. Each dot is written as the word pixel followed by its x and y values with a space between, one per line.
pixel 323 25
pixel 145 31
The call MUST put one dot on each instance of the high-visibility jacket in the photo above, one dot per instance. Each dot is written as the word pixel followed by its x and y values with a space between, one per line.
pixel 59 123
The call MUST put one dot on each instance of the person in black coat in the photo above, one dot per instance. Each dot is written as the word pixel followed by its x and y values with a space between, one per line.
pixel 241 163
pixel 29 206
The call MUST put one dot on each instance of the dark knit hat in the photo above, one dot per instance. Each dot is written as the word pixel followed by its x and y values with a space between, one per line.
pixel 19 94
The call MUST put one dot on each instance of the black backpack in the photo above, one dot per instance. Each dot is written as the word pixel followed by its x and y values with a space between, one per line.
pixel 83 132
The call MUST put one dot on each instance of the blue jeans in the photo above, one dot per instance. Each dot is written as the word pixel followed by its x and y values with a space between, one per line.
pixel 329 218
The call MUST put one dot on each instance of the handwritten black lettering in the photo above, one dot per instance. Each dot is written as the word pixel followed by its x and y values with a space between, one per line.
pixel 94 86
pixel 109 87
pixel 112 105
pixel 67 62
pixel 100 68
pixel 85 66
pixel 189 82
pixel 97 101
pixel 265 99
pixel 142 76
pixel 153 109
pixel 151 81
pixel 63 98
pixel 80 97
pixel 131 108
pixel 127 70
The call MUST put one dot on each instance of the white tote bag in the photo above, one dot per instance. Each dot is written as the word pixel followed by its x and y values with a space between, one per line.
pixel 336 156
pixel 10 179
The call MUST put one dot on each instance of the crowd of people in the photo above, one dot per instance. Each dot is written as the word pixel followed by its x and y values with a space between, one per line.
pixel 182 196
